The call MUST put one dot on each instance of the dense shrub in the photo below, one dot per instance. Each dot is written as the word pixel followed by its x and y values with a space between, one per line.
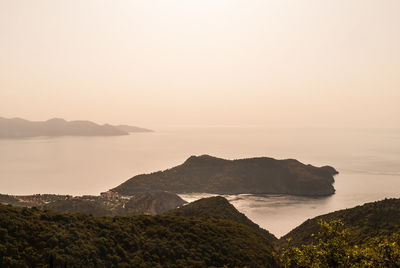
pixel 35 238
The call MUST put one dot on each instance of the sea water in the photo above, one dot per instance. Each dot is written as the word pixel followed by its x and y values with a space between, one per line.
pixel 368 161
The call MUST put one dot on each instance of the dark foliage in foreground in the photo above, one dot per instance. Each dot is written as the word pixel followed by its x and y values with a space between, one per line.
pixel 331 248
pixel 34 238
pixel 376 219
pixel 218 207
pixel 206 233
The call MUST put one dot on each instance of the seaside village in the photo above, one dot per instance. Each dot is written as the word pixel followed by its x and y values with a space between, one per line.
pixel 38 200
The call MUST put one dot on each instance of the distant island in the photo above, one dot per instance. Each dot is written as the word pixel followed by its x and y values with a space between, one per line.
pixel 21 128
pixel 132 129
pixel 261 175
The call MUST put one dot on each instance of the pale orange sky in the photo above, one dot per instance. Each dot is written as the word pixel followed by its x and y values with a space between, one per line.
pixel 202 62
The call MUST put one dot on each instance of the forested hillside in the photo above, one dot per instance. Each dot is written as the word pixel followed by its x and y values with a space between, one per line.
pixel 380 218
pixel 218 207
pixel 36 238
pixel 261 175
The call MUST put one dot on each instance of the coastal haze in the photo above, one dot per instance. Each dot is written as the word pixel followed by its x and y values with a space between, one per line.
pixel 367 159
pixel 93 93
pixel 151 63
pixel 199 133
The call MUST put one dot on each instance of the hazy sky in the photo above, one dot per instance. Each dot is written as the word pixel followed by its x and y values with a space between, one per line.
pixel 206 62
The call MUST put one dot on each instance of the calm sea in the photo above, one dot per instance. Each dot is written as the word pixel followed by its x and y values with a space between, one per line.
pixel 368 161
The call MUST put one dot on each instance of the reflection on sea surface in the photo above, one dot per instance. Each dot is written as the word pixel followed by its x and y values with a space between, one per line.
pixel 281 213
pixel 368 161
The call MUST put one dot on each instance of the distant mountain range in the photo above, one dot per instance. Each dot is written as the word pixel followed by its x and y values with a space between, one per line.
pixel 263 175
pixel 21 128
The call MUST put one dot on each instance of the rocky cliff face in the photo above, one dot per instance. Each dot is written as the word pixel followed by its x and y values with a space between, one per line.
pixel 261 175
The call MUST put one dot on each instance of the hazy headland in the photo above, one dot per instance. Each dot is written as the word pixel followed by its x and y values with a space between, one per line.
pixel 367 160
pixel 276 142
pixel 57 127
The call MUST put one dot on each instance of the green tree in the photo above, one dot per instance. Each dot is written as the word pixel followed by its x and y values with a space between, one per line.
pixel 331 248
